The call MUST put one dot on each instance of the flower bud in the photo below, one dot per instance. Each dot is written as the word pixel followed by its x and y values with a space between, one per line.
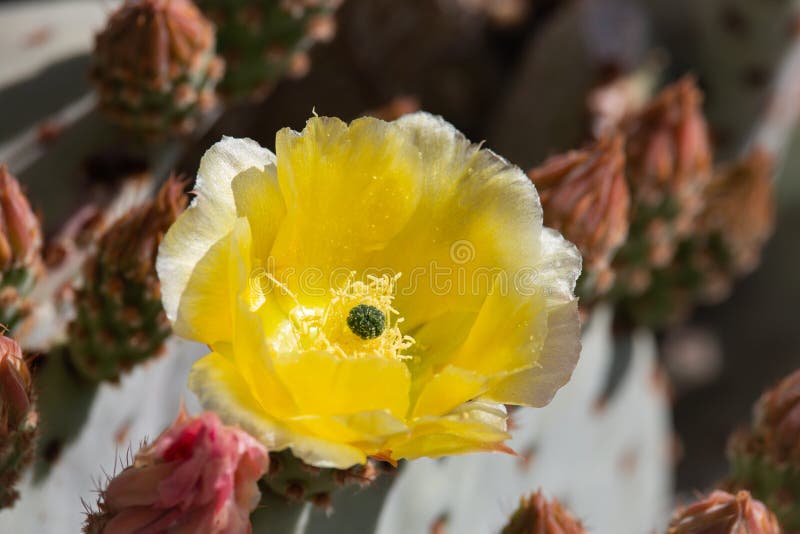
pixel 669 153
pixel 120 320
pixel 21 235
pixel 765 459
pixel 777 420
pixel 20 251
pixel 536 515
pixel 724 513
pixel 154 66
pixel 17 418
pixel 740 209
pixel 585 197
pixel 197 476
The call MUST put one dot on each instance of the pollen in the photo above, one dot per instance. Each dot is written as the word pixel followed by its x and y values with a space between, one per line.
pixel 358 321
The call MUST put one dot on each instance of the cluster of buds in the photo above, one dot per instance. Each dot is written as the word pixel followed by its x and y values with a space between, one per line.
pixel 291 478
pixel 658 229
pixel 154 66
pixel 119 319
pixel 20 251
pixel 724 513
pixel 537 515
pixel 584 196
pixel 263 41
pixel 198 476
pixel 729 233
pixel 765 459
pixel 18 418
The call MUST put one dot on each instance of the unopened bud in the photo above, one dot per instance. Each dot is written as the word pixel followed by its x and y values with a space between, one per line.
pixel 537 515
pixel 724 513
pixel 198 476
pixel 17 418
pixel 21 235
pixel 120 320
pixel 585 197
pixel 740 209
pixel 669 153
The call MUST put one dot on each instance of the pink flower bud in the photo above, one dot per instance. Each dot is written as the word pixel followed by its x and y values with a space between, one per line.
pixel 198 476
pixel 15 386
pixel 20 233
pixel 17 418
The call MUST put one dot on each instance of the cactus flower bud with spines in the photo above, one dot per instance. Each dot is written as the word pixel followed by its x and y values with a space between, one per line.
pixel 724 513
pixel 737 219
pixel 120 320
pixel 668 170
pixel 154 67
pixel 18 419
pixel 777 420
pixel 20 250
pixel 584 196
pixel 198 476
pixel 669 152
pixel 766 458
pixel 537 515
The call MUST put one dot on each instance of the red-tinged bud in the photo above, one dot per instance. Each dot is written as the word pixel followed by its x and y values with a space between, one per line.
pixel 154 66
pixel 765 459
pixel 120 320
pixel 740 209
pixel 584 195
pixel 21 234
pixel 777 421
pixel 669 153
pixel 18 418
pixel 724 513
pixel 197 476
pixel 537 515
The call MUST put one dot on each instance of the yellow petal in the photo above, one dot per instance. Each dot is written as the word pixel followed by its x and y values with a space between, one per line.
pixel 475 427
pixel 323 384
pixel 216 284
pixel 555 278
pixel 447 390
pixel 258 198
pixel 348 191
pixel 220 387
pixel 208 219
pixel 368 428
pixel 537 386
pixel 508 335
pixel 478 217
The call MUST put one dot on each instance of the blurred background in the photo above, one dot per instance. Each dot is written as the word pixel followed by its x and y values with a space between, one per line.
pixel 526 77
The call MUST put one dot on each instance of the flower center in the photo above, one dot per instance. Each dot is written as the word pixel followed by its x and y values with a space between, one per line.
pixel 365 321
pixel 358 321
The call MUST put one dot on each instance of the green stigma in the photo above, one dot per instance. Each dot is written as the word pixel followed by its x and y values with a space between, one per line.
pixel 367 322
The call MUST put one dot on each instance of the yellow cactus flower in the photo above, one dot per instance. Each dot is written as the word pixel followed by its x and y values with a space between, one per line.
pixel 373 289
